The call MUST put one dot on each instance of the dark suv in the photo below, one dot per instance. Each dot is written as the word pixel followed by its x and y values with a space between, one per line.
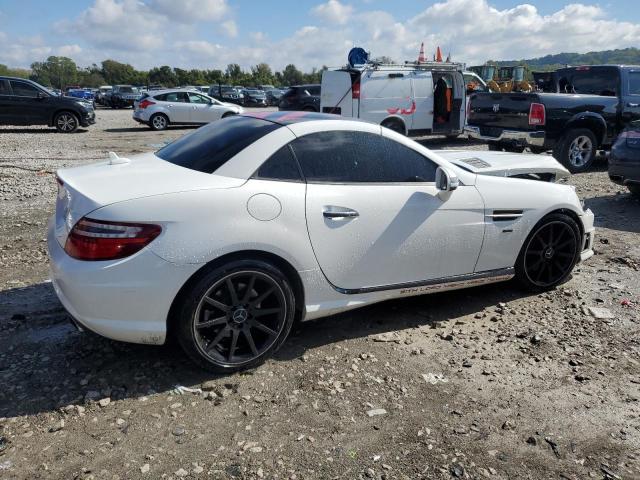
pixel 23 102
pixel 301 97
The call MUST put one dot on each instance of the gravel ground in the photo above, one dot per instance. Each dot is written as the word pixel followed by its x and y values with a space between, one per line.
pixel 487 382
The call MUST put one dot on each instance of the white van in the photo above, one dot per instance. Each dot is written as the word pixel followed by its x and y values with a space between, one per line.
pixel 413 99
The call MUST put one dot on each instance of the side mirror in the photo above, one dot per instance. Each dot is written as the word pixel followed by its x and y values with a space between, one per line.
pixel 445 180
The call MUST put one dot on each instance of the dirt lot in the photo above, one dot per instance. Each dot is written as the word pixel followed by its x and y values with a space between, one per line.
pixel 488 382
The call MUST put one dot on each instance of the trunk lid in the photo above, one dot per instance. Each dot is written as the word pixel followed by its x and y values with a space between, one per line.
pixel 495 112
pixel 503 164
pixel 87 188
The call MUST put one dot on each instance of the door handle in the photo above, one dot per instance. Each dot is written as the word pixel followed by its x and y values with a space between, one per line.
pixel 343 213
pixel 633 105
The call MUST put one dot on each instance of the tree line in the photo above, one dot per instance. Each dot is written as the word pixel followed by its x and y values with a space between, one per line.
pixel 60 72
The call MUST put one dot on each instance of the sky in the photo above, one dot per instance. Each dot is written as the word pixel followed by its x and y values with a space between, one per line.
pixel 213 33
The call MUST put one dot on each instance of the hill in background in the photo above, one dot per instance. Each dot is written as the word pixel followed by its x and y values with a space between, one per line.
pixel 627 56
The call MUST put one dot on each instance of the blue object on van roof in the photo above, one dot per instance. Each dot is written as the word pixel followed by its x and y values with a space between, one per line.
pixel 357 57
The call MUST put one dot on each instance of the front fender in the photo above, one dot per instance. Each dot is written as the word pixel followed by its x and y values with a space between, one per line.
pixel 529 201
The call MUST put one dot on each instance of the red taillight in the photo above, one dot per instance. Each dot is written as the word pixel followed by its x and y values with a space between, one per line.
pixel 101 240
pixel 355 90
pixel 145 103
pixel 537 114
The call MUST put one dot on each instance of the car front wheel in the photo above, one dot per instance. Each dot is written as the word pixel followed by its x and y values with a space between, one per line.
pixel 549 253
pixel 66 122
pixel 236 316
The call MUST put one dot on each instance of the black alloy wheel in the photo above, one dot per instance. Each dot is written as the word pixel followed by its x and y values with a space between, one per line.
pixel 238 318
pixel 549 253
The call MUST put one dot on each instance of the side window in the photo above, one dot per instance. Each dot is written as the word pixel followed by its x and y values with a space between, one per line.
pixel 4 87
pixel 23 89
pixel 634 83
pixel 280 166
pixel 360 157
pixel 195 98
pixel 315 90
pixel 161 98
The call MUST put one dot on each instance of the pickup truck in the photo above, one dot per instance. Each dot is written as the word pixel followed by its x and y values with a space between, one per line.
pixel 590 106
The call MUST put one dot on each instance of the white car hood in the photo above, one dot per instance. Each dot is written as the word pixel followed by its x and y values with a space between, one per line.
pixel 504 164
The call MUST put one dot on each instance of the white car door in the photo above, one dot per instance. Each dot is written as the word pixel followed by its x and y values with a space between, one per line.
pixel 375 217
pixel 204 109
pixel 177 104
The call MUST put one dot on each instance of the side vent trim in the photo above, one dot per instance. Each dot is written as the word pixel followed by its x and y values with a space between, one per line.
pixel 505 215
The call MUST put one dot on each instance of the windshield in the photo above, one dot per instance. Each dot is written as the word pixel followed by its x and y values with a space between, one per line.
pixel 128 90
pixel 209 147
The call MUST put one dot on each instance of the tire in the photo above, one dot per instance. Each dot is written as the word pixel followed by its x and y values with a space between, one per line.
pixel 495 147
pixel 634 189
pixel 255 322
pixel 452 137
pixel 66 122
pixel 395 125
pixel 228 114
pixel 158 121
pixel 576 150
pixel 549 253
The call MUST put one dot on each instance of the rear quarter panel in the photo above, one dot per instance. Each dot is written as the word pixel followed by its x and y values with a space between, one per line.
pixel 200 226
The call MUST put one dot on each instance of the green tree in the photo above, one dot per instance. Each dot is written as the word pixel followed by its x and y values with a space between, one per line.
pixel 163 75
pixel 261 74
pixel 291 75
pixel 115 73
pixel 55 71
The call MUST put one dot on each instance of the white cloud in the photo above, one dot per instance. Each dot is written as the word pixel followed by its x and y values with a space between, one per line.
pixel 229 28
pixel 333 12
pixel 190 11
pixel 68 50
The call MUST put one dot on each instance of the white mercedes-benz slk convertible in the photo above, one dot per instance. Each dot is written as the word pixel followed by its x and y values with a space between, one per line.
pixel 225 236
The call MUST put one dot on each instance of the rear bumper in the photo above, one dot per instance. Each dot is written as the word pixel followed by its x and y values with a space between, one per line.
pixel 126 300
pixel 529 139
pixel 140 117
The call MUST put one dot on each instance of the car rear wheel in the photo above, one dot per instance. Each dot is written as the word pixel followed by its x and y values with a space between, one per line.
pixel 228 114
pixel 236 316
pixel 158 121
pixel 395 125
pixel 577 150
pixel 549 253
pixel 66 122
